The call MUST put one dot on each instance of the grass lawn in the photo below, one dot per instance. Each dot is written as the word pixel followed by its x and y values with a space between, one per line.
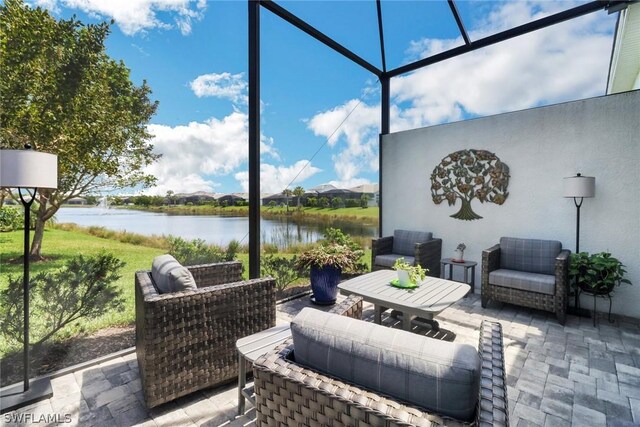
pixel 59 246
pixel 346 213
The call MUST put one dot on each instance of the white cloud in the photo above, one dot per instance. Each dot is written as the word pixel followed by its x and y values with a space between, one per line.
pixel 133 16
pixel 223 85
pixel 563 62
pixel 360 132
pixel 274 179
pixel 194 154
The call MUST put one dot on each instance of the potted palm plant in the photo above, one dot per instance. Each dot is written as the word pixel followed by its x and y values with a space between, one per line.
pixel 596 274
pixel 326 262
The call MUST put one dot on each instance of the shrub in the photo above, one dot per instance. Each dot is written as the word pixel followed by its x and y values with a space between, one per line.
pixel 83 288
pixel 270 248
pixel 282 269
pixel 11 218
pixel 194 252
pixel 323 202
pixel 232 249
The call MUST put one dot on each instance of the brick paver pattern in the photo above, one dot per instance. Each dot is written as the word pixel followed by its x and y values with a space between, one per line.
pixel 574 374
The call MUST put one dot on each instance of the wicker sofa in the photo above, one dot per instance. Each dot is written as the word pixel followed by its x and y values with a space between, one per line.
pixel 185 341
pixel 527 272
pixel 416 247
pixel 289 394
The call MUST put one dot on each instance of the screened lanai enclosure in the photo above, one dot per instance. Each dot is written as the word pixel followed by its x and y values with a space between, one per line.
pixel 385 66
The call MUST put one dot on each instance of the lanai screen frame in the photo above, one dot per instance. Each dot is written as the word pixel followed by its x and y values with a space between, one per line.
pixel 383 75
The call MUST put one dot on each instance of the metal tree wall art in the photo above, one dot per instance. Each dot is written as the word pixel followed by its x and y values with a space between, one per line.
pixel 469 174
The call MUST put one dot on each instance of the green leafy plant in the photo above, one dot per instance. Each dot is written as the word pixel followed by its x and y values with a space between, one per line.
pixel 416 272
pixel 11 218
pixel 598 273
pixel 194 252
pixel 83 288
pixel 283 270
pixel 337 250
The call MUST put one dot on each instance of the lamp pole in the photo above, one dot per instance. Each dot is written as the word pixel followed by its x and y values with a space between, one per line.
pixel 578 204
pixel 25 283
pixel 27 171
pixel 578 187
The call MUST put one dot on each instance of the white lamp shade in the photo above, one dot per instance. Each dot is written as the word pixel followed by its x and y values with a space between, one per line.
pixel 28 169
pixel 579 186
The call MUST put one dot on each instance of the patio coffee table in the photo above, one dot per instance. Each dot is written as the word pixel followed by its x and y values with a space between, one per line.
pixel 432 297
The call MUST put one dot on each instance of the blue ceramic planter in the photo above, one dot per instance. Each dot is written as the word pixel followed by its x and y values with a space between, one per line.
pixel 324 284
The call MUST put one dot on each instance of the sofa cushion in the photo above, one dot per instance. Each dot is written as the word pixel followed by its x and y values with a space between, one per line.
pixel 439 376
pixel 532 255
pixel 404 241
pixel 170 276
pixel 390 259
pixel 533 282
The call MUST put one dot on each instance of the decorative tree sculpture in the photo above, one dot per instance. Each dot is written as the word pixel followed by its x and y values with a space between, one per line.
pixel 466 174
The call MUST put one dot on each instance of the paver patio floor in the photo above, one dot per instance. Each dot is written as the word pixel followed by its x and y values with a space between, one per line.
pixel 557 375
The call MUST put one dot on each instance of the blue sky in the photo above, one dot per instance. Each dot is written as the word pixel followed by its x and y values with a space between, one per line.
pixel 193 54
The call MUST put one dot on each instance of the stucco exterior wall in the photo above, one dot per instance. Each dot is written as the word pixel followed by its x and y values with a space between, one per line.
pixel 597 137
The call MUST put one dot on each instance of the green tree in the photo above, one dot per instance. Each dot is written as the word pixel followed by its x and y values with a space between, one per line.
pixel 287 193
pixel 364 201
pixel 298 192
pixel 62 94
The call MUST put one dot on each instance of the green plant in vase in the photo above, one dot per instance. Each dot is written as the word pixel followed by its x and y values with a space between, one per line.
pixel 408 273
pixel 597 273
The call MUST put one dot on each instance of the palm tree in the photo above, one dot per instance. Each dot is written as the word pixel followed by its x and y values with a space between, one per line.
pixel 298 192
pixel 287 193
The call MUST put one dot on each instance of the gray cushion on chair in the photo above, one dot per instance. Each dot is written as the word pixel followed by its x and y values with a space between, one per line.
pixel 390 259
pixel 533 282
pixel 404 241
pixel 436 375
pixel 532 255
pixel 170 276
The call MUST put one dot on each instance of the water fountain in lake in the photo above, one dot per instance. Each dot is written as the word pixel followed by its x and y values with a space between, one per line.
pixel 103 205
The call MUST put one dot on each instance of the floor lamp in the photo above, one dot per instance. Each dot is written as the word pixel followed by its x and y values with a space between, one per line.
pixel 578 187
pixel 27 171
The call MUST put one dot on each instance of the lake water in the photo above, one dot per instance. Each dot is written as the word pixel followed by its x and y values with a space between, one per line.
pixel 211 228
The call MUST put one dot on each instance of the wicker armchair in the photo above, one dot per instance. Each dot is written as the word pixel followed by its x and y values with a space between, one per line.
pixel 417 247
pixel 185 341
pixel 288 394
pixel 526 261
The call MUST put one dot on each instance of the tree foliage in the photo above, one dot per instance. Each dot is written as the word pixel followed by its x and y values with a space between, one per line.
pixel 62 94
pixel 298 192
pixel 469 174
pixel 83 288
pixel 283 270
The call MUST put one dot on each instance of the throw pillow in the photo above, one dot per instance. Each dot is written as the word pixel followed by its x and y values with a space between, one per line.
pixel 170 276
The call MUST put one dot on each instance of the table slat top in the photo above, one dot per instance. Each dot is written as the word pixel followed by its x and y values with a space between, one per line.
pixel 433 295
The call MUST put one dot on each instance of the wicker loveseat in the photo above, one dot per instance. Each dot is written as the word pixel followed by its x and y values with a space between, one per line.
pixel 416 247
pixel 288 394
pixel 527 272
pixel 185 341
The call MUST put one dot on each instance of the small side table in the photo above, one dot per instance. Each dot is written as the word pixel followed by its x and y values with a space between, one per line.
pixel 249 349
pixel 468 265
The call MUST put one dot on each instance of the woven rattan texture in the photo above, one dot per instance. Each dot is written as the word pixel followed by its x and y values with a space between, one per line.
pixel 427 254
pixel 288 394
pixel 185 341
pixel 554 303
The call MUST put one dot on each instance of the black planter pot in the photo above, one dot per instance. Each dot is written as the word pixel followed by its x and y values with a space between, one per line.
pixel 596 291
pixel 324 284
